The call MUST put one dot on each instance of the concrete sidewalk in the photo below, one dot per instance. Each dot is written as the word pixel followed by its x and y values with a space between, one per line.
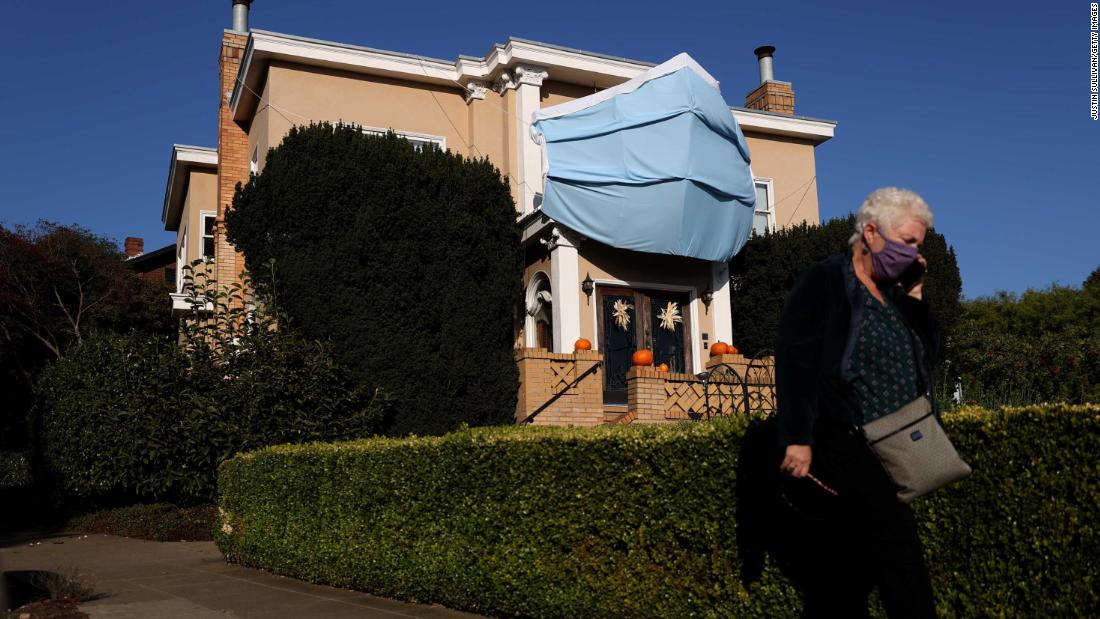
pixel 154 580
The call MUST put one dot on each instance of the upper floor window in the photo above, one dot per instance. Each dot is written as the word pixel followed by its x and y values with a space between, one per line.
pixel 208 220
pixel 763 220
pixel 418 140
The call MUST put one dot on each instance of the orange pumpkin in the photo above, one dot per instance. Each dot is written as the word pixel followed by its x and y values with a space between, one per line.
pixel 663 367
pixel 582 344
pixel 732 350
pixel 642 357
pixel 718 348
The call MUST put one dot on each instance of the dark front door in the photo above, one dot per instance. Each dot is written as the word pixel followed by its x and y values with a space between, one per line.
pixel 629 319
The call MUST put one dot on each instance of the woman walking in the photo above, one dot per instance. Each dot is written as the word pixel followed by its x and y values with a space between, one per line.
pixel 856 341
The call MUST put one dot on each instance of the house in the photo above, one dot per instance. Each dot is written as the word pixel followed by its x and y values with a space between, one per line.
pixel 155 267
pixel 482 106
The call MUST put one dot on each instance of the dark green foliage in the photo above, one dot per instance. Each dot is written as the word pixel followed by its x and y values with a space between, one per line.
pixel 1019 537
pixel 409 260
pixel 159 522
pixel 634 521
pixel 125 418
pixel 766 268
pixel 1043 345
pixel 14 471
pixel 58 283
pixel 1092 282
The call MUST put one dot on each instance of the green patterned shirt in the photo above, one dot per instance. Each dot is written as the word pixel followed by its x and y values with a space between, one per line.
pixel 884 362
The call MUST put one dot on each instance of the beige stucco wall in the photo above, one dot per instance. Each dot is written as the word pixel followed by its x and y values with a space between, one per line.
pixel 554 92
pixel 202 192
pixel 303 94
pixel 789 162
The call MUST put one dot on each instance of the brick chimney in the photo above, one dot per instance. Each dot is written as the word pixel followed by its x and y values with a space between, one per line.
pixel 770 95
pixel 134 246
pixel 232 142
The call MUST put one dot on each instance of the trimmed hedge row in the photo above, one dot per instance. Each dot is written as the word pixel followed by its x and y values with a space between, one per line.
pixel 634 521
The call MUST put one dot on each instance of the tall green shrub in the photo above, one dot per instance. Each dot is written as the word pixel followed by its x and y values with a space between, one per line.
pixel 408 258
pixel 126 418
pixel 768 266
pixel 631 521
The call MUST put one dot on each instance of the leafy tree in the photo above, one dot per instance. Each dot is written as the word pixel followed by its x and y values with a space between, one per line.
pixel 129 417
pixel 408 259
pixel 766 268
pixel 57 284
pixel 1042 345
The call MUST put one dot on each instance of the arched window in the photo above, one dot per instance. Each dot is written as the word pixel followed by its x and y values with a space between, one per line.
pixel 540 314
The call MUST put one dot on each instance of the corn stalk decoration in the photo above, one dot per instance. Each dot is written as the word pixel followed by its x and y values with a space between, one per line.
pixel 621 312
pixel 670 316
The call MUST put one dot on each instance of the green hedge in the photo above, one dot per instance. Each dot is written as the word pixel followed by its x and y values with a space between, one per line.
pixel 634 521
pixel 132 418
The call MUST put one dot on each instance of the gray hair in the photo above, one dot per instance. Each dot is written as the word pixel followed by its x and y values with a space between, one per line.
pixel 888 208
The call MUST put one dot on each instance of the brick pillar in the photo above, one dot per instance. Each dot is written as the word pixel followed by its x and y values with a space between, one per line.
pixel 232 156
pixel 645 394
pixel 739 362
pixel 547 386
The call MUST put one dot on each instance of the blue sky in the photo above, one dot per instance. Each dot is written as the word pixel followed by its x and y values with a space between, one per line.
pixel 981 107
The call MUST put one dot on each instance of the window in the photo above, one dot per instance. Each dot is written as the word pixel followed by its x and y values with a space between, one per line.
pixel 208 220
pixel 763 220
pixel 418 140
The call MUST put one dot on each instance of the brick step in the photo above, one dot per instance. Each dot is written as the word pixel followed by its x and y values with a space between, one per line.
pixel 618 416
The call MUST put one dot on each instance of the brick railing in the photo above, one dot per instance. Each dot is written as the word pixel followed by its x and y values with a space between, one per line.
pixel 560 389
pixel 660 397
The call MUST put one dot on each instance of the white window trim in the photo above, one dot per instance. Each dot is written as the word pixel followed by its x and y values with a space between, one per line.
pixel 693 332
pixel 202 229
pixel 769 189
pixel 181 259
pixel 438 140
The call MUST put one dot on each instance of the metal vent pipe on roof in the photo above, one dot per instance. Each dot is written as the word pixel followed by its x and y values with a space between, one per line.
pixel 764 55
pixel 240 15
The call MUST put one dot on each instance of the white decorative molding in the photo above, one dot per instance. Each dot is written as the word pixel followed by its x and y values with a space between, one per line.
pixel 504 81
pixel 562 237
pixel 530 74
pixel 476 89
pixel 817 131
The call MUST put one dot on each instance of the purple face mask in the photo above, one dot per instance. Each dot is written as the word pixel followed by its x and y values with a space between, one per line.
pixel 892 261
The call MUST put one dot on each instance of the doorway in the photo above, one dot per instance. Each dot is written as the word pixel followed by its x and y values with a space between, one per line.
pixel 628 319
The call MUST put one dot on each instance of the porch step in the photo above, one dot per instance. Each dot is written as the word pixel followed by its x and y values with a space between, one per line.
pixel 619 417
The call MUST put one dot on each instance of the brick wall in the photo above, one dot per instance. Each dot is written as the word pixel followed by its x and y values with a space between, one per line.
pixel 233 156
pixel 772 96
pixel 564 389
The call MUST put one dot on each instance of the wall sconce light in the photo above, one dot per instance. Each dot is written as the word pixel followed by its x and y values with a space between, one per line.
pixel 708 296
pixel 588 285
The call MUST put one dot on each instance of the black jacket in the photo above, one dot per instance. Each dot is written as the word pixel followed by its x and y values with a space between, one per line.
pixel 815 344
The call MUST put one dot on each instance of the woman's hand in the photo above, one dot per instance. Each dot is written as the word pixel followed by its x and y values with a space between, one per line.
pixel 796 462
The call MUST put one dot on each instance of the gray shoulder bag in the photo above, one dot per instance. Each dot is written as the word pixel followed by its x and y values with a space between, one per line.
pixel 913 447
